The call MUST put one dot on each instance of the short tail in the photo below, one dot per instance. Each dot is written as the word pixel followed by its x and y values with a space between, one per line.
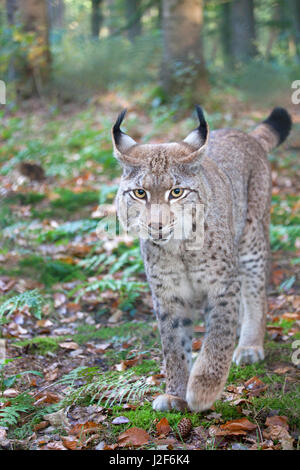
pixel 274 130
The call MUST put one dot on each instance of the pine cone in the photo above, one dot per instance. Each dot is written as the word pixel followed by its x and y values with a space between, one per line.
pixel 184 428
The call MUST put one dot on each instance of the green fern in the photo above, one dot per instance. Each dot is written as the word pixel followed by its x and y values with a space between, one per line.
pixel 32 298
pixel 110 387
pixel 10 415
pixel 284 237
pixel 129 291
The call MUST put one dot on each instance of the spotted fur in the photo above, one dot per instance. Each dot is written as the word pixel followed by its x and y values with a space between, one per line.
pixel 227 172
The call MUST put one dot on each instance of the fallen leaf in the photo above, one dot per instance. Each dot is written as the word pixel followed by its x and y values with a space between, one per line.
pixel 69 345
pixel 136 437
pixel 70 442
pixel 57 419
pixel 47 397
pixel 41 425
pixel 277 421
pixel 197 343
pixel 233 428
pixel 282 370
pixel 280 434
pixel 115 317
pixel 255 386
pixel 85 428
pixel 163 427
pixel 57 445
pixel 291 316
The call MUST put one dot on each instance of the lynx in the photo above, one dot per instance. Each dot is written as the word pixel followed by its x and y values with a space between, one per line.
pixel 226 173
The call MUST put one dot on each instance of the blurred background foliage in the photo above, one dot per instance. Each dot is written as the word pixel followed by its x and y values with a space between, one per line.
pixel 69 49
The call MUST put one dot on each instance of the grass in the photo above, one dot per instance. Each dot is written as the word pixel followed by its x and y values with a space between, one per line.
pixel 44 225
pixel 41 344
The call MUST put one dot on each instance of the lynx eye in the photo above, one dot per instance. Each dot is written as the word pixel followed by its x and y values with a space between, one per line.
pixel 176 192
pixel 139 193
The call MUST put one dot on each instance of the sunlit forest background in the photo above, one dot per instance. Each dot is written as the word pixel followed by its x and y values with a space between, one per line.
pixel 70 49
pixel 80 354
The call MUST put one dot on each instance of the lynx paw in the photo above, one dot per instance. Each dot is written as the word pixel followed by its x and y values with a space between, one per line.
pixel 198 401
pixel 248 354
pixel 168 402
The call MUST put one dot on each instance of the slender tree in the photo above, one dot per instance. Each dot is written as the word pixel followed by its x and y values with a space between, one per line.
pixel 133 18
pixel 225 31
pixel 294 8
pixel 183 68
pixel 56 12
pixel 96 18
pixel 242 27
pixel 35 72
pixel 11 8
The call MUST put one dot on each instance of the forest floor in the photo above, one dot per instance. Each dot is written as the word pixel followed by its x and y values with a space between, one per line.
pixel 81 357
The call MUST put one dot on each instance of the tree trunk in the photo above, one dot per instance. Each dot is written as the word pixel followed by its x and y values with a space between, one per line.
pixel 133 18
pixel 225 33
pixel 35 73
pixel 183 68
pixel 11 8
pixel 294 8
pixel 242 30
pixel 97 18
pixel 56 14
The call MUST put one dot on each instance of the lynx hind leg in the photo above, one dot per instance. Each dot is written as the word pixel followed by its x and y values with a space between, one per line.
pixel 254 254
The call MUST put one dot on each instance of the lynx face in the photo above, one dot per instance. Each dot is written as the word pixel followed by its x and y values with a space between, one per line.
pixel 159 195
pixel 159 210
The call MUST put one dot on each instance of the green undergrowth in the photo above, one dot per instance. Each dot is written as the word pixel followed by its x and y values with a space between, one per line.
pixel 41 344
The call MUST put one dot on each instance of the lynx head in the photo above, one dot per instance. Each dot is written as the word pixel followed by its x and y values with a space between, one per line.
pixel 159 188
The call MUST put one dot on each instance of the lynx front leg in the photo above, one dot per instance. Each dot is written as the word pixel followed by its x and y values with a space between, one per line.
pixel 176 328
pixel 210 370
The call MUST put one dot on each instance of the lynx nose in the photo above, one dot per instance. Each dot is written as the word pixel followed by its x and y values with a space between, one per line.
pixel 155 227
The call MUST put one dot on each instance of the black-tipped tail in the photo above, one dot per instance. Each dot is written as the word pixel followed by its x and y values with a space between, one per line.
pixel 280 121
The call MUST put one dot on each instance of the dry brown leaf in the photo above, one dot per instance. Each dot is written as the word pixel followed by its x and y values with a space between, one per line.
pixel 282 370
pixel 235 427
pixel 136 437
pixel 291 316
pixel 255 387
pixel 197 343
pixel 41 425
pixel 85 428
pixel 280 434
pixel 58 418
pixel 56 445
pixel 69 345
pixel 199 329
pixel 70 442
pixel 47 397
pixel 277 421
pixel 44 323
pixel 127 363
pixel 163 427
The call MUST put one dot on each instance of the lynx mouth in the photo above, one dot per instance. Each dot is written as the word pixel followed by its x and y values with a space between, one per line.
pixel 159 239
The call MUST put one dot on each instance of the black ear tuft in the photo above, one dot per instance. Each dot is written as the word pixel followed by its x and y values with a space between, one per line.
pixel 116 129
pixel 281 123
pixel 203 127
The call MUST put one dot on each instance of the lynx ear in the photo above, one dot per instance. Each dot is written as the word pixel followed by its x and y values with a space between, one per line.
pixel 121 141
pixel 198 138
